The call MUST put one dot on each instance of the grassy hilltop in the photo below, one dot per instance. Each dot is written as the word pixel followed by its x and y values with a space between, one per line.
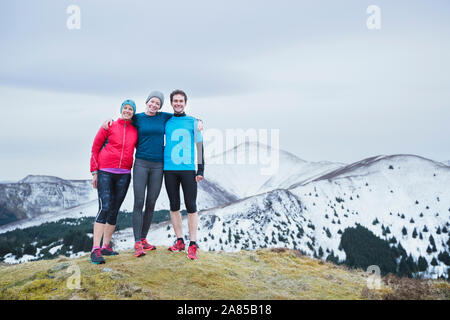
pixel 261 274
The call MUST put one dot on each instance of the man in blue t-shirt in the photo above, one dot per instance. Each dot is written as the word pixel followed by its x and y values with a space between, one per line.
pixel 182 138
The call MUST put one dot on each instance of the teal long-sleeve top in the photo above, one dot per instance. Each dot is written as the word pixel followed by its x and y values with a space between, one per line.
pixel 181 138
pixel 150 145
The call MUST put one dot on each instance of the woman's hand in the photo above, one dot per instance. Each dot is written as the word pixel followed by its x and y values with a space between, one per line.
pixel 198 178
pixel 107 124
pixel 199 125
pixel 94 180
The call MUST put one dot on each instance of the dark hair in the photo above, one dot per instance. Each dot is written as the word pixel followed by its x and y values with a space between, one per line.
pixel 178 91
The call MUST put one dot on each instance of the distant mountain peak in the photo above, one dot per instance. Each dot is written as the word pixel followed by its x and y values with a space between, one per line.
pixel 372 162
pixel 40 178
pixel 256 146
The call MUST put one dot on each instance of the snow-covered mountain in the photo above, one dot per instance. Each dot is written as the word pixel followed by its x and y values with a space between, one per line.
pixel 309 205
pixel 223 184
pixel 38 199
pixel 240 169
pixel 401 196
pixel 35 195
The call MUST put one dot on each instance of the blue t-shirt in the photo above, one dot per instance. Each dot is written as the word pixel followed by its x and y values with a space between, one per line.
pixel 150 145
pixel 181 136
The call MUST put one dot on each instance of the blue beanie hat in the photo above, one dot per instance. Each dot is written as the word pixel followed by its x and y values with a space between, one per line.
pixel 129 102
pixel 157 94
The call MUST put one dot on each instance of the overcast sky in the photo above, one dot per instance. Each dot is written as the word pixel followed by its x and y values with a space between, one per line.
pixel 335 89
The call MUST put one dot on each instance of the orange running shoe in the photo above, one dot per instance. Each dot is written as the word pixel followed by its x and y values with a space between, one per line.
pixel 192 252
pixel 138 250
pixel 178 246
pixel 147 246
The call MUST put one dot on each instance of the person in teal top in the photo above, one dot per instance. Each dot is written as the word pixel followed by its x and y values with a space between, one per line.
pixel 151 128
pixel 148 167
pixel 181 137
pixel 184 143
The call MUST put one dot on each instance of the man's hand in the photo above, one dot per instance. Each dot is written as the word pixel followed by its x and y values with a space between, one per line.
pixel 198 178
pixel 199 125
pixel 94 180
pixel 107 124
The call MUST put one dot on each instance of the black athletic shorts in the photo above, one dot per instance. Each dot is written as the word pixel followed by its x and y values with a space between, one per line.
pixel 172 181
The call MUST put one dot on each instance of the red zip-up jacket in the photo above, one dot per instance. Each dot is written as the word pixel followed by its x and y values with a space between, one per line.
pixel 119 151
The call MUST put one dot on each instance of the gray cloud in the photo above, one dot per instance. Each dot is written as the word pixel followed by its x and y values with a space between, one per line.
pixel 336 90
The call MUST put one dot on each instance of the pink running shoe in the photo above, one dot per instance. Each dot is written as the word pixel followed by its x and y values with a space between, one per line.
pixel 178 246
pixel 192 252
pixel 147 246
pixel 138 250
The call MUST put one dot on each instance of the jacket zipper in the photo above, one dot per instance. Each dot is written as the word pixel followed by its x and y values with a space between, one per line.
pixel 123 144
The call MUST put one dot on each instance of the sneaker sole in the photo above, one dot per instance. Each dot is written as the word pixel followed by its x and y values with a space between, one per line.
pixel 176 250
pixel 139 255
pixel 150 249
pixel 97 262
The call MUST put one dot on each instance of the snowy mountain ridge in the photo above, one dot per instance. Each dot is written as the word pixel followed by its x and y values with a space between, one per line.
pixel 35 195
pixel 401 198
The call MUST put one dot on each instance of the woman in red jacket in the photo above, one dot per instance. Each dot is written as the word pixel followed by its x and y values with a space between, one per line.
pixel 111 162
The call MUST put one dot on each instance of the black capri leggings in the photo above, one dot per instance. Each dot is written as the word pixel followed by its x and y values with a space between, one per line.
pixel 172 180
pixel 112 189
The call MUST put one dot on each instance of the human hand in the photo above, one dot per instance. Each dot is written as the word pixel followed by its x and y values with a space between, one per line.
pixel 198 178
pixel 107 124
pixel 199 125
pixel 94 180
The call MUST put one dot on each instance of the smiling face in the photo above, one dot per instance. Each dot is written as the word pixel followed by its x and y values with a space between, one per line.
pixel 153 105
pixel 178 103
pixel 127 112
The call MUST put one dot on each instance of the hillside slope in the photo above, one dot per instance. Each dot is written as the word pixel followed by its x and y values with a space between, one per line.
pixel 262 274
pixel 36 195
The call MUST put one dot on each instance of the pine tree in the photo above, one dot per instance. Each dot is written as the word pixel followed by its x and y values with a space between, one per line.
pixel 414 234
pixel 433 244
pixel 332 258
pixel 363 248
pixel 422 264
pixel 444 257
pixel 404 231
pixel 403 269
pixel 320 252
pixel 434 262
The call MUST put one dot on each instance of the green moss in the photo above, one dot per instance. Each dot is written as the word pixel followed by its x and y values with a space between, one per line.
pixel 261 274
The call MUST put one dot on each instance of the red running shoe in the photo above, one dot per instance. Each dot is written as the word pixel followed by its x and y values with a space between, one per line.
pixel 147 246
pixel 178 246
pixel 138 250
pixel 192 252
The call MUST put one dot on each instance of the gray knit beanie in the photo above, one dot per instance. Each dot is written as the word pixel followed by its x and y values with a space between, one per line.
pixel 157 94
